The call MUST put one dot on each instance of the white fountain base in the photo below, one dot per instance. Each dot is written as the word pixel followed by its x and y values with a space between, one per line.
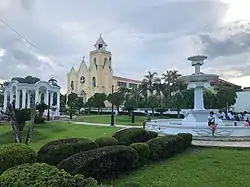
pixel 174 126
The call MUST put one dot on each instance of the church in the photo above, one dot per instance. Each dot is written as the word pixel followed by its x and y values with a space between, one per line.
pixel 98 77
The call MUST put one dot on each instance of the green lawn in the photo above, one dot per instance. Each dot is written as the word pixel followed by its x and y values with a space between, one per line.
pixel 208 167
pixel 51 131
pixel 105 119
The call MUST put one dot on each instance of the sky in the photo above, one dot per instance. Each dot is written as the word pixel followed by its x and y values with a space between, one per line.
pixel 142 35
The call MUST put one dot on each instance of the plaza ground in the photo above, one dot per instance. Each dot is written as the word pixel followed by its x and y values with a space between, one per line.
pixel 206 167
pixel 119 119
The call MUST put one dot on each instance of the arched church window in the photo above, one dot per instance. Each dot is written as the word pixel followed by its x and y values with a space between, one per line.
pixel 95 60
pixel 110 59
pixel 93 82
pixel 72 85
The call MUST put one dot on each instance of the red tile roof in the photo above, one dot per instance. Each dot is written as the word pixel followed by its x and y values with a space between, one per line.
pixel 126 79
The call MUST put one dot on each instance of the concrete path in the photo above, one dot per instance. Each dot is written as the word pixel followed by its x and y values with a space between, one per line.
pixel 242 144
pixel 103 125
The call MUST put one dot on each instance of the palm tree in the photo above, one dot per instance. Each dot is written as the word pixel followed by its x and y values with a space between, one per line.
pixel 175 76
pixel 170 78
pixel 150 79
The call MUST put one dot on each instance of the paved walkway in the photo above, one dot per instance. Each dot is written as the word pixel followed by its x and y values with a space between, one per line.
pixel 242 144
pixel 103 125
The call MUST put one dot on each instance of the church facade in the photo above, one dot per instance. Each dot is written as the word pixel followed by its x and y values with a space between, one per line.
pixel 98 77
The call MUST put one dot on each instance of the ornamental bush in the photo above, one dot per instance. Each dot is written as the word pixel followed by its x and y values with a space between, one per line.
pixel 165 146
pixel 102 163
pixel 106 141
pixel 41 175
pixel 143 152
pixel 54 152
pixel 187 137
pixel 15 154
pixel 132 135
pixel 153 134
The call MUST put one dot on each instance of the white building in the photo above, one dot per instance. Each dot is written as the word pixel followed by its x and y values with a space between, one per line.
pixel 243 101
pixel 20 94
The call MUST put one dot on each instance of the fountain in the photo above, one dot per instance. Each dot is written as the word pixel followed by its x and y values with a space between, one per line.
pixel 195 121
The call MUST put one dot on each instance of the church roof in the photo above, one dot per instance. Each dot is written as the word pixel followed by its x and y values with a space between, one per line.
pixel 126 79
pixel 100 41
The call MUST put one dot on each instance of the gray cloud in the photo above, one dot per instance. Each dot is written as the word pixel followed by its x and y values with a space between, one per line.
pixel 235 40
pixel 177 16
pixel 141 35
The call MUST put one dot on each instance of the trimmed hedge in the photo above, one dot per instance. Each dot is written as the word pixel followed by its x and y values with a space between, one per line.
pixel 15 154
pixel 54 152
pixel 153 134
pixel 166 146
pixel 41 175
pixel 143 152
pixel 106 141
pixel 187 137
pixel 102 163
pixel 132 135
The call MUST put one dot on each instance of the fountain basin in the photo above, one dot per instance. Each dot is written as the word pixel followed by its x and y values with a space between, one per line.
pixel 227 129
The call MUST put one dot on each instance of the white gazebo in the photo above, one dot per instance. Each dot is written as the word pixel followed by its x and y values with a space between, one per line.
pixel 20 94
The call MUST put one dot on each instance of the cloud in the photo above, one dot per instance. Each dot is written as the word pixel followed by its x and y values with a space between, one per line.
pixel 141 35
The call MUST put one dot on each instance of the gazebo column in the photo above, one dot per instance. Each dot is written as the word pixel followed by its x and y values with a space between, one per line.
pixel 28 99
pixel 37 97
pixel 46 97
pixel 5 100
pixel 24 91
pixel 58 100
pixel 51 98
pixel 40 98
pixel 17 103
pixel 11 96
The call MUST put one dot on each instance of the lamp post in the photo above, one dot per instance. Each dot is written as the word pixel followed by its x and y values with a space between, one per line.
pixel 112 110
pixel 48 114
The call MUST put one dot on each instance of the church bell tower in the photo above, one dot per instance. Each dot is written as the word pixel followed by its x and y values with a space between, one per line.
pixel 101 72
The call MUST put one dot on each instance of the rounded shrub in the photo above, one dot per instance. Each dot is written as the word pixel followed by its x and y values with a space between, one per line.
pixel 41 175
pixel 143 152
pixel 106 141
pixel 164 147
pixel 15 154
pixel 102 163
pixel 153 134
pixel 187 137
pixel 54 152
pixel 131 135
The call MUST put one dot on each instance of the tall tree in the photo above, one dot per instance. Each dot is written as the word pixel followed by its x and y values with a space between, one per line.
pixel 226 96
pixel 72 103
pixel 98 100
pixel 31 80
pixel 210 99
pixel 150 79
pixel 130 105
pixel 116 99
pixel 153 102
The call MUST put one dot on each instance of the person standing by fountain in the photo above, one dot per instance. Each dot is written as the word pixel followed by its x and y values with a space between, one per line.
pixel 148 118
pixel 211 122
